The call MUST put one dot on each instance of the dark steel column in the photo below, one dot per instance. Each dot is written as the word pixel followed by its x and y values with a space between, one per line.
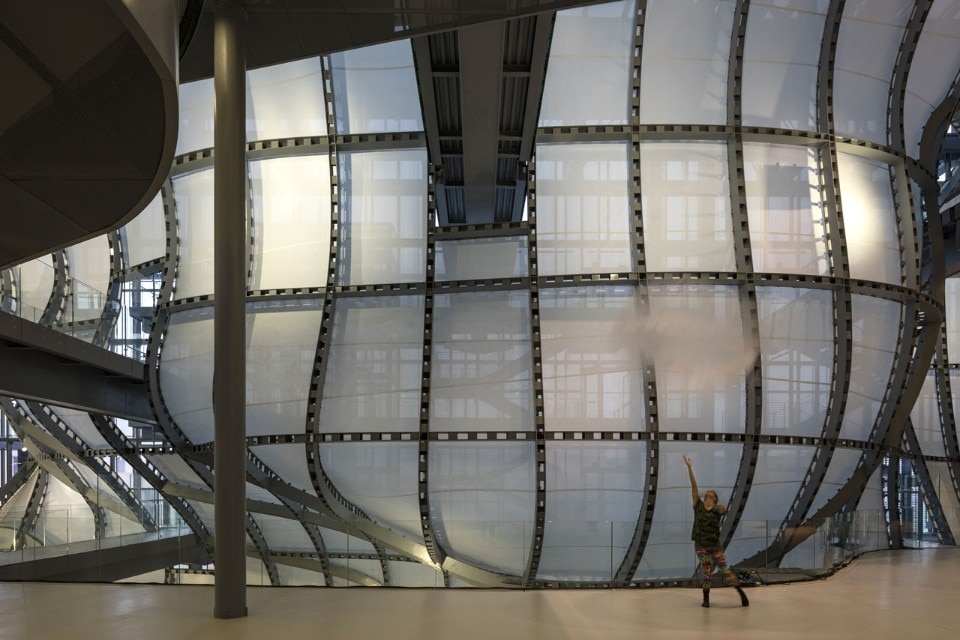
pixel 230 268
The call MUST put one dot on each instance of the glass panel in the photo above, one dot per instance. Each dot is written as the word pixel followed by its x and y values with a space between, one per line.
pixel 481 259
pixel 194 198
pixel 379 478
pixel 291 211
pixel 867 47
pixel 686 207
pixel 145 236
pixel 843 462
pixel 592 375
pixel 952 319
pixel 88 266
pixel 482 378
pixel 281 347
pixel 593 491
pixel 875 328
pixel 383 217
pixel 796 348
pixel 412 574
pixel 286 101
pixel 780 61
pixel 695 71
pixel 925 416
pixel 373 376
pixel 300 577
pixel 186 372
pixel 669 552
pixel 940 477
pixel 695 335
pixel 584 218
pixel 786 214
pixel 36 286
pixel 869 219
pixel 482 502
pixel 375 89
pixel 589 68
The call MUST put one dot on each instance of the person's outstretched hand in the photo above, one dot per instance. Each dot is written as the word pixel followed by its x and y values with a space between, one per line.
pixel 686 461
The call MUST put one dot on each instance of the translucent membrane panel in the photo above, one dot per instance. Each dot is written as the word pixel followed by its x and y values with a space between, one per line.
pixel 842 464
pixel 938 54
pixel 875 328
pixel 482 378
pixel 780 60
pixel 283 534
pixel 925 417
pixel 954 399
pixel 590 65
pixel 383 217
pixel 196 116
pixel 669 552
pixel 289 461
pixel 291 214
pixel 204 511
pixel 186 372
pixel 594 496
pixel 364 573
pixel 482 502
pixel 15 508
pixel 286 101
pixel 870 35
pixel 300 577
pixel 686 207
pixel 145 237
pixel 869 219
pixel 194 197
pixel 88 266
pixel 65 516
pixel 776 481
pixel 413 574
pixel 36 279
pixel 81 424
pixel 952 319
pixel 785 210
pixel 175 469
pixel 481 258
pixel 379 478
pixel 338 542
pixel 591 340
pixel 685 83
pixel 375 89
pixel 281 348
pixel 695 336
pixel 941 479
pixel 584 218
pixel 373 375
pixel 796 356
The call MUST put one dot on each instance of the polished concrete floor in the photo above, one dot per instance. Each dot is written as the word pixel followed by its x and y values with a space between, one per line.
pixel 908 595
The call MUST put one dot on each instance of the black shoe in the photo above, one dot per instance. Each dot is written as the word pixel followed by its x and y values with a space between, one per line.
pixel 744 602
pixel 706 599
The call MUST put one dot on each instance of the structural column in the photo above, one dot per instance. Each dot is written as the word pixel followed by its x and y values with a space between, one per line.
pixel 229 383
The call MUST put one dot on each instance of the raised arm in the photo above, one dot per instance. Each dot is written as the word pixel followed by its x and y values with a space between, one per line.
pixel 695 493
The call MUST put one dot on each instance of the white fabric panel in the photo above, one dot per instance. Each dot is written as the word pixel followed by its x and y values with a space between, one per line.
pixel 373 376
pixel 291 214
pixel 669 552
pixel 146 235
pixel 281 347
pixel 36 278
pixel 89 271
pixel 938 56
pixel 842 464
pixel 584 218
pixel 283 534
pixel 13 510
pixel 695 336
pixel 257 574
pixel 955 401
pixel 780 470
pixel 375 89
pixel 687 223
pixel 289 461
pixel 481 258
pixel 65 516
pixel 338 542
pixel 869 220
pixel 380 478
pixel 286 101
pixel 590 64
pixel 925 416
pixel 175 468
pixel 186 373
pixel 785 210
pixel 204 511
pixel 941 479
pixel 196 116
pixel 796 349
pixel 685 82
pixel 482 502
pixel 300 577
pixel 255 492
pixel 780 59
pixel 81 424
pixel 383 217
pixel 867 46
pixel 413 574
pixel 194 197
pixel 592 375
pixel 952 317
pixel 594 496
pixel 482 368
pixel 875 327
